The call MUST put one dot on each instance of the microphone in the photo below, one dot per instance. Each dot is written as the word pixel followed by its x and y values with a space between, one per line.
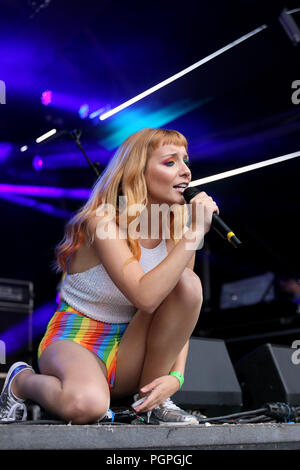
pixel 217 223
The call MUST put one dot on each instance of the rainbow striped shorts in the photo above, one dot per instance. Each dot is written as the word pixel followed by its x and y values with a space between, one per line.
pixel 101 338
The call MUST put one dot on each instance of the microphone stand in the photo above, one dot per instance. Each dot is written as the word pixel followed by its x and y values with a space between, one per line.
pixel 76 134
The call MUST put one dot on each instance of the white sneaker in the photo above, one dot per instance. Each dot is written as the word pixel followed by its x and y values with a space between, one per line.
pixel 167 413
pixel 11 407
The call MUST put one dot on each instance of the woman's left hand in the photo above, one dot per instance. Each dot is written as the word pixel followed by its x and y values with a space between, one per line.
pixel 159 390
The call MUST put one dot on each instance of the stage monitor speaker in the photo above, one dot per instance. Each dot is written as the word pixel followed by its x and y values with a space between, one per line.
pixel 210 382
pixel 16 308
pixel 269 374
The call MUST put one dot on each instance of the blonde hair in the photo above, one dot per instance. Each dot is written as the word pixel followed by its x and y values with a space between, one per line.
pixel 124 175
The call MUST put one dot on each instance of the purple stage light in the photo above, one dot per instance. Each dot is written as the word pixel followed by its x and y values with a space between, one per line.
pixel 39 206
pixel 77 104
pixel 46 97
pixel 71 159
pixel 41 316
pixel 66 101
pixel 44 191
pixel 37 163
pixel 16 338
pixel 5 149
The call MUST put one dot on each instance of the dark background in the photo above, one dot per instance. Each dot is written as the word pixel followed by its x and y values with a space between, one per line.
pixel 234 111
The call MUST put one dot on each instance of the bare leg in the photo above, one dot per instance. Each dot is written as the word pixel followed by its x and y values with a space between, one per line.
pixel 152 343
pixel 72 383
pixel 171 328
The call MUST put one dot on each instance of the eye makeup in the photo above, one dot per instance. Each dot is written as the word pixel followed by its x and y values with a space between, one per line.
pixel 173 160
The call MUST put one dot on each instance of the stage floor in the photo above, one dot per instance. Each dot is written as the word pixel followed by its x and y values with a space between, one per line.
pixel 114 437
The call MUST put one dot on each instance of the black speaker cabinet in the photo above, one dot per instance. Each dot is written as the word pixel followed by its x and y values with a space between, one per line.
pixel 16 307
pixel 269 373
pixel 210 382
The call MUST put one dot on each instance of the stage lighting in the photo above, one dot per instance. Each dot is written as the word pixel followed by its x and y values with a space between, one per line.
pixel 290 26
pixel 244 169
pixel 24 148
pixel 5 149
pixel 181 73
pixel 135 119
pixel 52 192
pixel 99 111
pixel 2 92
pixel 31 203
pixel 45 136
pixel 37 163
pixel 83 111
pixel 46 97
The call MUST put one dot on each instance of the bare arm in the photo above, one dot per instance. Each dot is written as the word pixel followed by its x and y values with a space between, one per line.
pixel 180 362
pixel 162 279
pixel 145 291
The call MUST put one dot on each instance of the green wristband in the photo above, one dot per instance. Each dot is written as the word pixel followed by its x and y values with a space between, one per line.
pixel 179 376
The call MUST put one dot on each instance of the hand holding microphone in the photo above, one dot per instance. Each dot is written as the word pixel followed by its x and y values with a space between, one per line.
pixel 211 217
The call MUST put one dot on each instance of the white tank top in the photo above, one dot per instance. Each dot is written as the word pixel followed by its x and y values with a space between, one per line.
pixel 93 293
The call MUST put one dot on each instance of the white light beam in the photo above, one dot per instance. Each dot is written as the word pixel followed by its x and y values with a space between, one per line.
pixel 181 74
pixel 244 169
pixel 45 136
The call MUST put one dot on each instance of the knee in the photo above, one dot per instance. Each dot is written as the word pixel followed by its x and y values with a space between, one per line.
pixel 84 406
pixel 188 290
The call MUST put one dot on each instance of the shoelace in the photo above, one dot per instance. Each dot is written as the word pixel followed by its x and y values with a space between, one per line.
pixel 14 411
pixel 168 403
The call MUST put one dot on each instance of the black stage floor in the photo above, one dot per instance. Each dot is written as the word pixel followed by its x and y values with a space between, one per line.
pixel 114 437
